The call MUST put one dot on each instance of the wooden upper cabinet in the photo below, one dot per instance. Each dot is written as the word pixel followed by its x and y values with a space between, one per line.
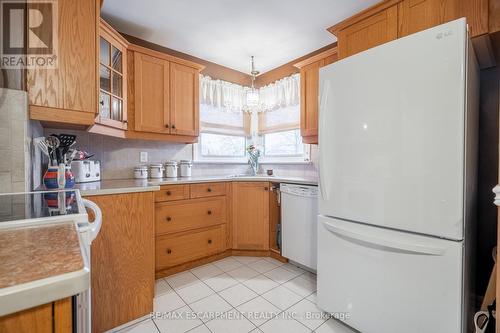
pixel 112 78
pixel 378 29
pixel 68 93
pixel 391 19
pixel 309 93
pixel 418 15
pixel 152 101
pixel 184 100
pixel 250 222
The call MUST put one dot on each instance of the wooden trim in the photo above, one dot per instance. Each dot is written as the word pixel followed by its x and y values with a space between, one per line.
pixel 334 29
pixel 63 315
pixel 161 55
pixel 276 255
pixel 250 253
pixel 56 115
pixel 105 130
pixel 192 264
pixel 287 69
pixel 312 139
pixel 108 29
pixel 316 57
pixel 160 137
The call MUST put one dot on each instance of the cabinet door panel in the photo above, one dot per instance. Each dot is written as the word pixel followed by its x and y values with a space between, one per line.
pixel 123 260
pixel 151 94
pixel 375 30
pixel 309 90
pixel 418 15
pixel 250 215
pixel 184 94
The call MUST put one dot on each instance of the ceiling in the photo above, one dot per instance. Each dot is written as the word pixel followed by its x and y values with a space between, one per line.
pixel 228 32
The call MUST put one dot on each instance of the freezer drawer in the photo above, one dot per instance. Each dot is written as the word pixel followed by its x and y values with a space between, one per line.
pixel 389 281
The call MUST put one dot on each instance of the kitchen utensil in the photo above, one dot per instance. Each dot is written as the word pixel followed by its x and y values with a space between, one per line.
pixel 52 143
pixel 40 143
pixel 72 153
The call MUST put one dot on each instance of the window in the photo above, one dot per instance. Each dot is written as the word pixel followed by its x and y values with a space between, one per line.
pixel 280 138
pixel 223 135
pixel 286 143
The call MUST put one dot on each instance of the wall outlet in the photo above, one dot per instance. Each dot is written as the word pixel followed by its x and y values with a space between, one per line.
pixel 144 156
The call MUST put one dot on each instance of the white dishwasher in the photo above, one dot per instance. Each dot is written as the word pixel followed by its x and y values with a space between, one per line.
pixel 299 216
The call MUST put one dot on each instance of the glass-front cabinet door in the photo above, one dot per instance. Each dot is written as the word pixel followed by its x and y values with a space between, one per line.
pixel 112 78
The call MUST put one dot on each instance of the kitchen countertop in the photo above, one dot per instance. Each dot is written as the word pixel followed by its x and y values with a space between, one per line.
pixel 120 186
pixel 42 256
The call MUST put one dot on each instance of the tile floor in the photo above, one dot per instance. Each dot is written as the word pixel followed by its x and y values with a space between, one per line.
pixel 238 294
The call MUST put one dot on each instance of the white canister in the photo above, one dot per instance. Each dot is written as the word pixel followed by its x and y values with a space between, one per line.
pixel 171 169
pixel 156 171
pixel 141 172
pixel 186 166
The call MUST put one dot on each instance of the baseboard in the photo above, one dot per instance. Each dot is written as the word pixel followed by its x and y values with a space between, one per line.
pixel 231 252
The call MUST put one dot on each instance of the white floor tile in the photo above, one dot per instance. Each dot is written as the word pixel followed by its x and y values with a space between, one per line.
pixel 221 282
pixel 200 329
pixel 161 287
pixel 293 268
pixel 243 273
pixel 274 261
pixel 231 322
pixel 313 298
pixel 308 314
pixel 237 295
pixel 301 286
pixel 309 276
pixel 281 275
pixel 334 326
pixel 194 292
pixel 282 324
pixel 261 284
pixel 262 266
pixel 180 320
pixel 282 297
pixel 227 264
pixel 210 307
pixel 146 326
pixel 258 310
pixel 256 331
pixel 206 271
pixel 246 260
pixel 181 280
pixel 167 302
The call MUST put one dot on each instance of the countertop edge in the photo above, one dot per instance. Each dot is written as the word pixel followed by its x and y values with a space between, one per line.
pixel 120 190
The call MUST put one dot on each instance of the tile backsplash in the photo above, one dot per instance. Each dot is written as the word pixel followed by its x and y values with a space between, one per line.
pixel 119 156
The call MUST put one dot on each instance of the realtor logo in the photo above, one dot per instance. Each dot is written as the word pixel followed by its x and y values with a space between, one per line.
pixel 29 34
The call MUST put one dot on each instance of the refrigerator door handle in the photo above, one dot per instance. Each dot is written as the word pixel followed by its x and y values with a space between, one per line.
pixel 389 244
pixel 323 98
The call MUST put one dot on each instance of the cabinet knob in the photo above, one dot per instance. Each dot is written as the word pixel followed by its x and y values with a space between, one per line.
pixel 209 189
pixel 173 126
pixel 169 251
pixel 168 192
pixel 209 241
pixel 265 188
pixel 166 126
pixel 209 212
pixel 169 219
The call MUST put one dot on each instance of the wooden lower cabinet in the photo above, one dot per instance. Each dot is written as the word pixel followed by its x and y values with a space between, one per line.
pixel 185 215
pixel 176 249
pixel 250 215
pixel 55 317
pixel 122 262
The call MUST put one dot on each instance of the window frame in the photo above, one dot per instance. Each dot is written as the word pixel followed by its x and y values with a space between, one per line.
pixel 305 158
pixel 199 158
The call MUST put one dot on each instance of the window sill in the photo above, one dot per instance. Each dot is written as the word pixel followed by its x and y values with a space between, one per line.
pixel 261 163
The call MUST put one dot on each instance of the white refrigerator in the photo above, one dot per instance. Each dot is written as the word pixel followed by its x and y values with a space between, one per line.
pixel 398 150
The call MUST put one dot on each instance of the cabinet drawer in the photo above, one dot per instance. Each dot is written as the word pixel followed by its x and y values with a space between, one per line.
pixel 189 214
pixel 176 249
pixel 172 192
pixel 207 190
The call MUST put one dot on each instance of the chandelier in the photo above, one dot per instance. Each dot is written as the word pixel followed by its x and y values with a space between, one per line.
pixel 252 96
